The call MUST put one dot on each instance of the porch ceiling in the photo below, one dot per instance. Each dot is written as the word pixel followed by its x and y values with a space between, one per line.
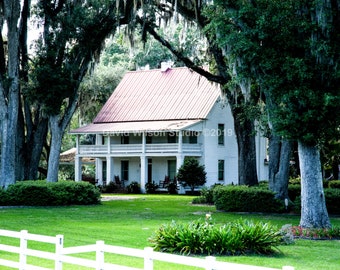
pixel 137 127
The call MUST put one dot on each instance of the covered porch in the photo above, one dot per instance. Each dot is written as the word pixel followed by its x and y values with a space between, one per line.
pixel 143 156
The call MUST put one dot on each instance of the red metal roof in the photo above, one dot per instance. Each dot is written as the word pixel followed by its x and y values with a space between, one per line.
pixel 153 95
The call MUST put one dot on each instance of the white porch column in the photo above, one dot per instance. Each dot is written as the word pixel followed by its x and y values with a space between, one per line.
pixel 108 144
pixel 143 142
pixel 180 142
pixel 99 139
pixel 143 172
pixel 99 171
pixel 77 168
pixel 179 161
pixel 77 144
pixel 179 156
pixel 109 169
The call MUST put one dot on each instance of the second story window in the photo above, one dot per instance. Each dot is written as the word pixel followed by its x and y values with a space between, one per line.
pixel 124 139
pixel 220 134
pixel 172 137
pixel 193 138
pixel 148 138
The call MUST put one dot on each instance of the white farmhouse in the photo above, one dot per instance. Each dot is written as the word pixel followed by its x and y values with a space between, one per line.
pixel 156 118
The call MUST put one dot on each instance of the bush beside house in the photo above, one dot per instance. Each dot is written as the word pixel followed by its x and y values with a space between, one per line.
pixel 42 193
pixel 235 198
pixel 246 199
pixel 191 174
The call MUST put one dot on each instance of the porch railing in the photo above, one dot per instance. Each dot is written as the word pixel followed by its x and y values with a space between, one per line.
pixel 122 149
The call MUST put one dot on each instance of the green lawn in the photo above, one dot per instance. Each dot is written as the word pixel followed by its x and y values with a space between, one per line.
pixel 131 222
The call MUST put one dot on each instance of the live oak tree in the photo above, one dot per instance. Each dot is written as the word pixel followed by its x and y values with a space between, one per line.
pixel 240 96
pixel 9 88
pixel 233 22
pixel 72 38
pixel 292 49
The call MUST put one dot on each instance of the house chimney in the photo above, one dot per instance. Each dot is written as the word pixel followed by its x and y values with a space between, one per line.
pixel 166 65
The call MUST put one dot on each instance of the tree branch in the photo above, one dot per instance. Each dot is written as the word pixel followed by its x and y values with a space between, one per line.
pixel 211 77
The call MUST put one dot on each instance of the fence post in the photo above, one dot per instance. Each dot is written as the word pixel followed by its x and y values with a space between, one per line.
pixel 23 249
pixel 148 261
pixel 59 245
pixel 210 263
pixel 100 258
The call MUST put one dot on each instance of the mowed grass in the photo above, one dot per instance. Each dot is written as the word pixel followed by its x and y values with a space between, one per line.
pixel 130 222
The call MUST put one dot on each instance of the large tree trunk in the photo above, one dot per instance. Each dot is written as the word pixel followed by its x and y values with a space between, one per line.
pixel 9 95
pixel 35 148
pixel 30 148
pixel 313 206
pixel 279 157
pixel 32 126
pixel 56 139
pixel 245 136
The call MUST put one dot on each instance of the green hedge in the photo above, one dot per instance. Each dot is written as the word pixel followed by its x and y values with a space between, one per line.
pixel 332 197
pixel 246 199
pixel 294 191
pixel 334 184
pixel 42 193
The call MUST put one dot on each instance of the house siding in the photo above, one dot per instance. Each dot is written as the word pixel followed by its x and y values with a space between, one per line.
pixel 220 114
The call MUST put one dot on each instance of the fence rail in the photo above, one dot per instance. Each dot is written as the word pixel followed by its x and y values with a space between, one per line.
pixel 62 255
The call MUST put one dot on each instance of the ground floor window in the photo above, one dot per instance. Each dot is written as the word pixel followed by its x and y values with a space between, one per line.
pixel 220 169
pixel 125 170
pixel 172 169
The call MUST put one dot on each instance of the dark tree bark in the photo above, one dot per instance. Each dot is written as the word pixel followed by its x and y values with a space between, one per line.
pixel 9 92
pixel 279 157
pixel 244 129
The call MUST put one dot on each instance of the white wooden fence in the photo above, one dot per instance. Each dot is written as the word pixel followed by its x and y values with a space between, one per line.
pixel 61 255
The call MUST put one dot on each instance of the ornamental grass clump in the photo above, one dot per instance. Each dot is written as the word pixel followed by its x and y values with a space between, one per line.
pixel 207 238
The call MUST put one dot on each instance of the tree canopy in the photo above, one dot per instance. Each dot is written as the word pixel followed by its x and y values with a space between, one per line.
pixel 292 50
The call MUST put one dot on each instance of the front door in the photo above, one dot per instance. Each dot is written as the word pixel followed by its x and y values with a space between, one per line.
pixel 124 170
pixel 149 170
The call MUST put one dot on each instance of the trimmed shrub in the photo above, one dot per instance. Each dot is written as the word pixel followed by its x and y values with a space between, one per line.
pixel 332 200
pixel 334 184
pixel 246 199
pixel 42 193
pixel 31 193
pixel 151 187
pixel 111 187
pixel 332 197
pixel 191 174
pixel 133 188
pixel 294 191
pixel 206 195
pixel 3 197
pixel 204 237
pixel 172 188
